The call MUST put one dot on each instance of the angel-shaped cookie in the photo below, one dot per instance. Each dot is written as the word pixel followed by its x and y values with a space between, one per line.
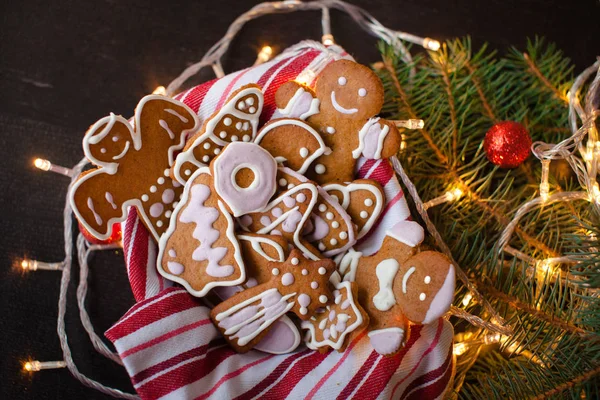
pixel 134 163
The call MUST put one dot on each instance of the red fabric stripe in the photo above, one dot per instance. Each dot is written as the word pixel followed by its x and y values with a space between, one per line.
pixel 170 305
pixel 430 391
pixel 429 350
pixel 233 374
pixel 227 90
pixel 139 257
pixel 358 377
pixel 194 99
pixel 288 72
pixel 185 374
pixel 129 222
pixel 164 337
pixel 382 173
pixel 336 366
pixel 387 367
pixel 283 388
pixel 156 368
pixel 273 376
pixel 365 168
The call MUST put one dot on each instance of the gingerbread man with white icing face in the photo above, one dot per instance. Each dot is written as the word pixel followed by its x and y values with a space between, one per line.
pixel 343 108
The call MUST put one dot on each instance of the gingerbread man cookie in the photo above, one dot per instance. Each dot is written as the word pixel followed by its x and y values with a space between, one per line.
pixel 134 163
pixel 349 97
pixel 236 121
pixel 399 284
pixel 200 250
pixel 297 285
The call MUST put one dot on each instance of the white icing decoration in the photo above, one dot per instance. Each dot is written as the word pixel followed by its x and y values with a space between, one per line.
pixel 109 198
pixel 336 225
pixel 333 242
pixel 329 215
pixel 168 214
pixel 342 81
pixel 295 261
pixel 427 280
pixel 323 299
pixel 90 204
pixel 361 138
pixel 217 151
pixel 407 232
pixel 320 169
pixel 163 124
pixel 364 214
pixel 229 232
pixel 322 149
pixel 161 180
pixel 422 296
pixel 275 271
pixel 256 246
pixel 205 158
pixel 303 152
pixel 175 113
pixel 166 172
pixel 330 130
pixel 238 125
pixel 386 271
pixel 407 275
pixel 246 138
pixel 227 121
pixel 343 235
pixel 282 182
pixel 159 223
pixel 368 202
pixel 443 299
pixel 103 150
pixel 241 341
pixel 314 285
pixel 305 272
pixel 322 207
pixel 339 108
pixel 289 108
pixel 362 92
pixel 322 271
pixel 348 265
pixel 223 134
pixel 145 197
pixel 322 324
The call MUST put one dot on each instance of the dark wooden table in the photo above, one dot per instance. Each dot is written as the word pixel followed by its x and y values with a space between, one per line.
pixel 65 64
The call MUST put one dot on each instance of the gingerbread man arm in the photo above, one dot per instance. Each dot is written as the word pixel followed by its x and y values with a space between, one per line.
pixel 378 138
pixel 296 101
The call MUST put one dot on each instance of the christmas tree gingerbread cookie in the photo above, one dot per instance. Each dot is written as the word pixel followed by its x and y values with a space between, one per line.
pixel 133 167
pixel 343 108
pixel 399 284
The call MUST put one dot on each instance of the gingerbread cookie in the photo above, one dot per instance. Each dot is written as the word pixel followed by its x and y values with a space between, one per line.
pixel 257 251
pixel 200 250
pixel 363 200
pixel 297 285
pixel 244 177
pixel 331 325
pixel 292 142
pixel 399 284
pixel 286 216
pixel 236 121
pixel 350 96
pixel 134 163
pixel 330 228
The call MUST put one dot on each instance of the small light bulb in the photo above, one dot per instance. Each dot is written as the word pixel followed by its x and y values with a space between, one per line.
pixel 327 40
pixel 457 193
pixel 410 123
pixel 264 55
pixel 306 77
pixel 34 366
pixel 431 44
pixel 42 164
pixel 34 265
pixel 459 349
pixel 467 299
pixel 595 193
pixel 161 90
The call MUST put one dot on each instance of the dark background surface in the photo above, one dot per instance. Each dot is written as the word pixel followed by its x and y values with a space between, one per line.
pixel 64 66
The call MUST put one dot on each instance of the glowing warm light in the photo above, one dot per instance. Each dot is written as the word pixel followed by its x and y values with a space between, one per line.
pixel 327 40
pixel 456 193
pixel 42 164
pixel 459 349
pixel 34 265
pixel 410 124
pixel 595 193
pixel 467 299
pixel 34 366
pixel 306 77
pixel 264 55
pixel 544 185
pixel 450 195
pixel 431 44
pixel 161 90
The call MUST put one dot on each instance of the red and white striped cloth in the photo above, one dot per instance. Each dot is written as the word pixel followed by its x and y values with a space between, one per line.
pixel 172 351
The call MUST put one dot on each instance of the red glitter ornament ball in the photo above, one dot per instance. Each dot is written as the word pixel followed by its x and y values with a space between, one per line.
pixel 507 144
pixel 115 235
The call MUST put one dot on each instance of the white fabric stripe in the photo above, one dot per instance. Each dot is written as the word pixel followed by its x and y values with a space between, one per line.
pixel 366 376
pixel 169 348
pixel 375 165
pixel 433 360
pixel 186 94
pixel 160 327
pixel 181 364
pixel 152 278
pixel 212 96
pixel 150 303
pixel 310 353
pixel 251 76
pixel 334 385
pixel 231 364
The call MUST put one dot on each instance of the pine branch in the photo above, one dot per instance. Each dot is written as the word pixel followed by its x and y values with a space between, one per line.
pixel 568 385
pixel 482 97
pixel 536 71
